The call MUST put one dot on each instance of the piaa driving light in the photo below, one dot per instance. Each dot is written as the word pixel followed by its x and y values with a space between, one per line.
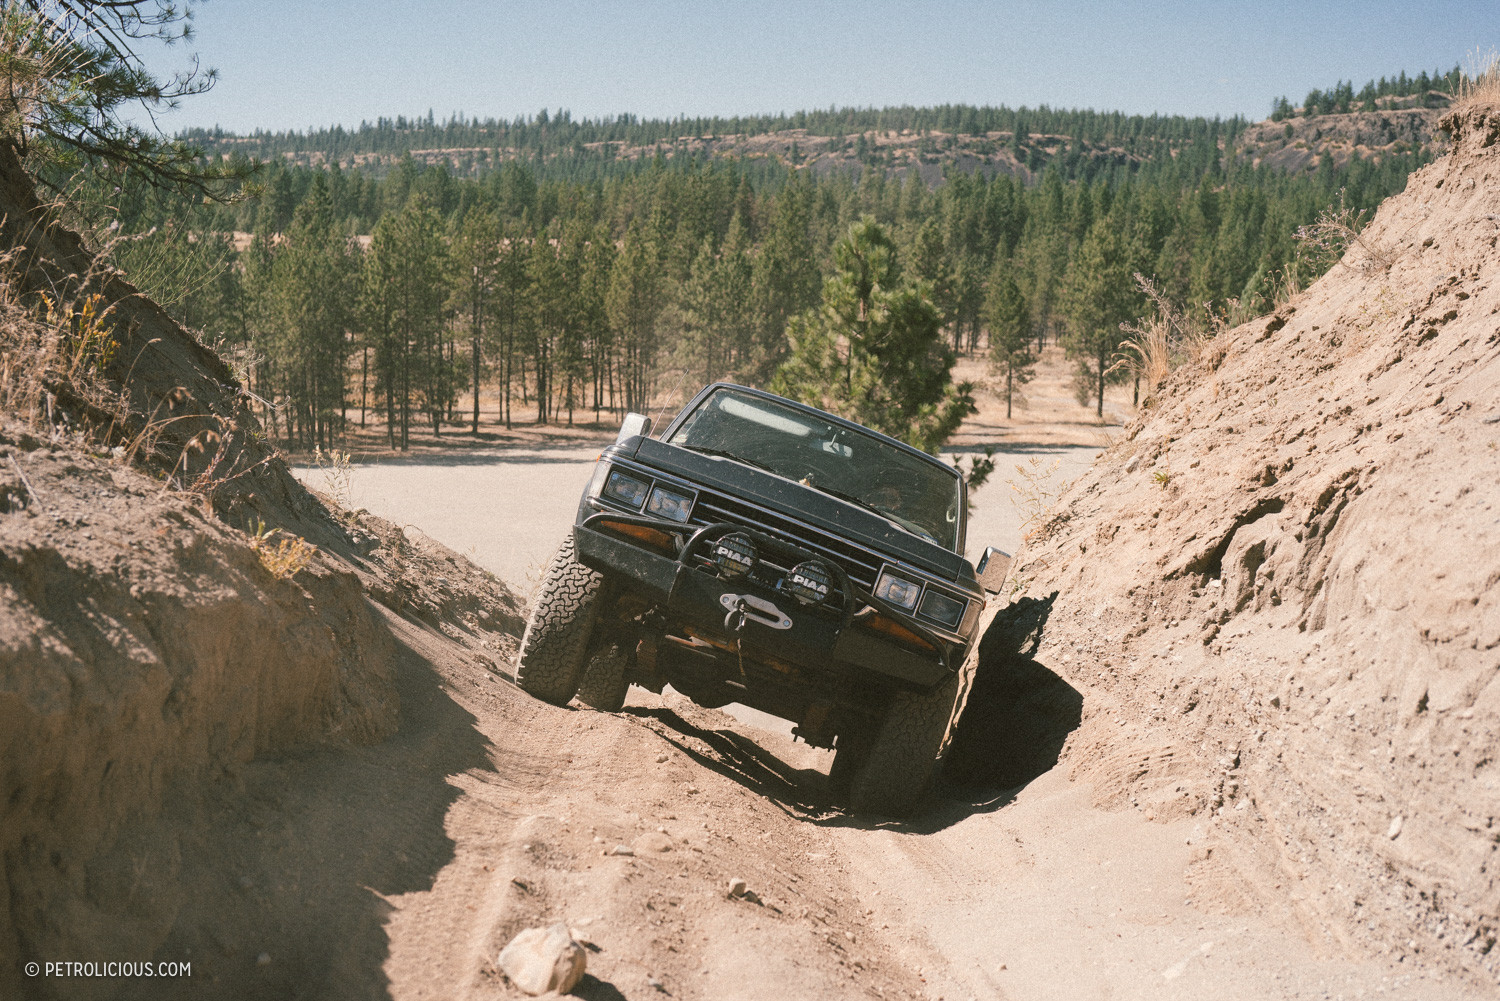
pixel 734 555
pixel 669 504
pixel 897 591
pixel 624 489
pixel 810 582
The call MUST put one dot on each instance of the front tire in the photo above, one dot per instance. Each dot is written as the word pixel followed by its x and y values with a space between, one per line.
pixel 555 644
pixel 605 679
pixel 906 751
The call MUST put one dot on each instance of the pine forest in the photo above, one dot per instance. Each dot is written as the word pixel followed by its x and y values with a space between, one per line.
pixel 427 277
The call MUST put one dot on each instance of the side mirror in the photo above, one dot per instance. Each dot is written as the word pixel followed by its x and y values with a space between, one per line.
pixel 993 567
pixel 632 425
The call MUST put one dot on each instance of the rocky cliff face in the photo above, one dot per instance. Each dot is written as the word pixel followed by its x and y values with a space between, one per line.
pixel 1279 591
pixel 1299 143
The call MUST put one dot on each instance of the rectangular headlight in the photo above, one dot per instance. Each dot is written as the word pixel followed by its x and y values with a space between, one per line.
pixel 897 591
pixel 940 607
pixel 669 504
pixel 625 489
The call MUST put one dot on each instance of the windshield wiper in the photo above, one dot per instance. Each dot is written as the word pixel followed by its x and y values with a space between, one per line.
pixel 726 454
pixel 851 499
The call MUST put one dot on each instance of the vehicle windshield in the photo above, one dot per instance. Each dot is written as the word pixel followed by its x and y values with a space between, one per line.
pixel 919 496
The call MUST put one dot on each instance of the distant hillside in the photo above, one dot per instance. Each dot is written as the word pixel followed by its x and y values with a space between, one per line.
pixel 987 141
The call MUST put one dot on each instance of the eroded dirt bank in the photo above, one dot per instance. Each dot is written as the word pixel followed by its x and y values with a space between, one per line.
pixel 1279 593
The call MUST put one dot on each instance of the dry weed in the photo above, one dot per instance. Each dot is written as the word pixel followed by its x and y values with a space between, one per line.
pixel 1147 352
pixel 1480 83
pixel 338 480
pixel 1164 340
pixel 289 553
pixel 1036 491
pixel 1337 231
pixel 87 344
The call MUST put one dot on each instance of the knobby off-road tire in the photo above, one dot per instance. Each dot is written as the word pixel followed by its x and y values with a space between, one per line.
pixel 907 749
pixel 605 680
pixel 555 644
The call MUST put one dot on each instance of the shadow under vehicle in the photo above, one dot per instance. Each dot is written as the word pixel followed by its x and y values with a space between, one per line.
pixel 767 553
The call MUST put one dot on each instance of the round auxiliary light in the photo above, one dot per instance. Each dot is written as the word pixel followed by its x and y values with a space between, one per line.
pixel 810 583
pixel 734 555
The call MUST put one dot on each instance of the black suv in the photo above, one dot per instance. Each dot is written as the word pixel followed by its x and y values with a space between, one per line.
pixel 767 553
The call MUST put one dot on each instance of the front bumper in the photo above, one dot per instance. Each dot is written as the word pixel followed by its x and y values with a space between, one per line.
pixel 691 595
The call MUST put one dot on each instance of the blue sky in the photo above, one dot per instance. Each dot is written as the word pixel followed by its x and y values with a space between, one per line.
pixel 294 65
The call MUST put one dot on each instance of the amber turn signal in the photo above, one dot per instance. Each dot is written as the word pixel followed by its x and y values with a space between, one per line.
pixel 653 537
pixel 896 631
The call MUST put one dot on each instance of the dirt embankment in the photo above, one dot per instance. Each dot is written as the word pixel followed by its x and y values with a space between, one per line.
pixel 148 653
pixel 1279 592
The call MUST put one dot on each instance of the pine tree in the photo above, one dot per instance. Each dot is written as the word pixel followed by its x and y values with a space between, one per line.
pixel 873 351
pixel 308 282
pixel 475 256
pixel 1097 297
pixel 1009 322
pixel 784 280
pixel 634 302
pixel 403 284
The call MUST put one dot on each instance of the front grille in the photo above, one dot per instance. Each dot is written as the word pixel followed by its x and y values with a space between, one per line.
pixel 861 566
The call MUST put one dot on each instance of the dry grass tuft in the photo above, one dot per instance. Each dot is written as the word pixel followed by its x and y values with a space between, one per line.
pixel 1162 341
pixel 56 357
pixel 1480 83
pixel 280 552
pixel 1037 489
pixel 53 354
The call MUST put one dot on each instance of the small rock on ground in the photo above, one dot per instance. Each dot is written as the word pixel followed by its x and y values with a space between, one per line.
pixel 539 960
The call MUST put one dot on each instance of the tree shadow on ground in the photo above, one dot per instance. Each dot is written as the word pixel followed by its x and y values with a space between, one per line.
pixel 1018 717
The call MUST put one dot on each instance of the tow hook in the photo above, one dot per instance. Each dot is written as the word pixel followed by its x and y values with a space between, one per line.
pixel 734 622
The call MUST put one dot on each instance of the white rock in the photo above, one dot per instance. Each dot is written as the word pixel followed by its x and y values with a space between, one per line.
pixel 539 960
pixel 1394 831
pixel 622 850
pixel 737 887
